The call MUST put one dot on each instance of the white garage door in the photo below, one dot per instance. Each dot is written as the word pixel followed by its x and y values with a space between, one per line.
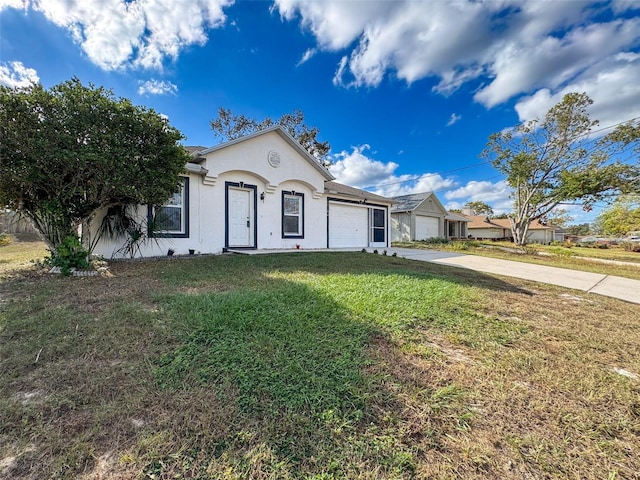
pixel 427 227
pixel 348 225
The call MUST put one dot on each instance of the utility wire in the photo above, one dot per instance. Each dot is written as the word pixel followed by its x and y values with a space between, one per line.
pixel 427 175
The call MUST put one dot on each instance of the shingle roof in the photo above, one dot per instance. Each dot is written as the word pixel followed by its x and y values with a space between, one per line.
pixel 482 221
pixel 407 203
pixel 339 188
pixel 459 217
pixel 194 148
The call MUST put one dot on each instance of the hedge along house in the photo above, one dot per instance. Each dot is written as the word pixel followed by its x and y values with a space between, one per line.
pixel 421 216
pixel 260 191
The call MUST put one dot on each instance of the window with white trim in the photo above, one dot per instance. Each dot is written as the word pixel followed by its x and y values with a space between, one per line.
pixel 292 215
pixel 172 218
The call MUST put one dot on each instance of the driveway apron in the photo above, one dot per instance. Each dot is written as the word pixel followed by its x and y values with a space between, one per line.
pixel 608 285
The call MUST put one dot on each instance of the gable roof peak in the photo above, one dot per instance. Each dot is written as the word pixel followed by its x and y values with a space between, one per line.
pixel 286 136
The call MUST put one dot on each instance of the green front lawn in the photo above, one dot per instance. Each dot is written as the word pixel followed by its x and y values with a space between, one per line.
pixel 313 365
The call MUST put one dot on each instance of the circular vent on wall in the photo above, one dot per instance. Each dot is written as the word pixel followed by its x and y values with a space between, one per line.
pixel 274 159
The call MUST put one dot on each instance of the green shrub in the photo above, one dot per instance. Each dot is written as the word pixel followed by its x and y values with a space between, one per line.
pixel 561 252
pixel 458 246
pixel 70 254
pixel 435 241
pixel 529 249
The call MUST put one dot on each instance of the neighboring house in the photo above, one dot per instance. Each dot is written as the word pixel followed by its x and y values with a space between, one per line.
pixel 421 216
pixel 261 191
pixel 456 225
pixel 483 227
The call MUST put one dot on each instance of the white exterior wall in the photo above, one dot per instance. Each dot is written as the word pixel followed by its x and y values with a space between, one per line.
pixel 485 232
pixel 245 162
pixel 540 236
pixel 400 227
pixel 201 237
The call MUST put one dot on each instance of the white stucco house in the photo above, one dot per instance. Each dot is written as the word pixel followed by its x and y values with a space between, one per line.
pixel 421 216
pixel 261 191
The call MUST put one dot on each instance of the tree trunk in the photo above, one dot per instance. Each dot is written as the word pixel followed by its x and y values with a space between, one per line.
pixel 519 230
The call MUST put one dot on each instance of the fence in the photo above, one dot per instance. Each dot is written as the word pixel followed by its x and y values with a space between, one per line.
pixel 11 222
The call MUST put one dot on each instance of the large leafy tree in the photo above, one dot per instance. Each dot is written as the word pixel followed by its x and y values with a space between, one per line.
pixel 627 135
pixel 478 207
pixel 551 161
pixel 579 229
pixel 229 126
pixel 67 152
pixel 622 217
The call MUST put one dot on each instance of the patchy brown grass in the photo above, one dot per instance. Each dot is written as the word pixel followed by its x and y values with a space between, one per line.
pixel 515 380
pixel 20 253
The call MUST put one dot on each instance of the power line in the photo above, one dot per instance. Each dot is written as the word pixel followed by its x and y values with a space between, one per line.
pixel 427 175
pixel 444 172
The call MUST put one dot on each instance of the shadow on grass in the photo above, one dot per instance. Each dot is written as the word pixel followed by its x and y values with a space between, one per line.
pixel 296 355
pixel 216 267
pixel 262 368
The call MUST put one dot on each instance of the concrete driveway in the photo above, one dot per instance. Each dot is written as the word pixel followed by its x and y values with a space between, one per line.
pixel 608 285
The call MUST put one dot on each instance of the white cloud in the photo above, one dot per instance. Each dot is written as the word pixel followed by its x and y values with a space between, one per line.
pixel 494 194
pixel 554 61
pixel 612 84
pixel 406 184
pixel 11 4
pixel 355 168
pixel 15 74
pixel 142 33
pixel 306 56
pixel 512 46
pixel 342 68
pixel 453 119
pixel 157 87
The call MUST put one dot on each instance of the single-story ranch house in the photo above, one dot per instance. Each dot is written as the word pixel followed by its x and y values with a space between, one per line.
pixel 421 216
pixel 483 227
pixel 261 191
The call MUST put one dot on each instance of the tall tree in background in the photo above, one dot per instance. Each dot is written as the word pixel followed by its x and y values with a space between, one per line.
pixel 67 152
pixel 627 135
pixel 579 229
pixel 622 217
pixel 228 126
pixel 558 217
pixel 552 161
pixel 479 208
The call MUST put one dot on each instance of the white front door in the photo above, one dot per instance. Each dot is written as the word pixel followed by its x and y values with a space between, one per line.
pixel 240 218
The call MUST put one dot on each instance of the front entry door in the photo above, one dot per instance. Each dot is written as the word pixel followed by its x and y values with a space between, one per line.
pixel 240 218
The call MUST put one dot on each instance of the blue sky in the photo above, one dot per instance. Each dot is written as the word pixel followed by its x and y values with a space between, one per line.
pixel 406 92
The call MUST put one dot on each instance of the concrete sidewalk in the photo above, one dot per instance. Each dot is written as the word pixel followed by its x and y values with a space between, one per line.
pixel 608 285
